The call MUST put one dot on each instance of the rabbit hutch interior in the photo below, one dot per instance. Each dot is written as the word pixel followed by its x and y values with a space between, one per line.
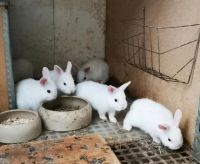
pixel 138 48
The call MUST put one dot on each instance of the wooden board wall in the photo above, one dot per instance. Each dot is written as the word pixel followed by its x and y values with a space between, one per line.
pixel 158 13
pixel 3 78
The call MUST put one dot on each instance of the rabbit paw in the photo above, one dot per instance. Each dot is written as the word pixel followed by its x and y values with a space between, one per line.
pixel 103 117
pixel 127 127
pixel 113 119
pixel 156 140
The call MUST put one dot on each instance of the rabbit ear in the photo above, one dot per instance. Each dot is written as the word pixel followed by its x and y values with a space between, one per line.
pixel 58 69
pixel 163 127
pixel 125 85
pixel 69 67
pixel 43 81
pixel 177 117
pixel 111 89
pixel 86 70
pixel 45 72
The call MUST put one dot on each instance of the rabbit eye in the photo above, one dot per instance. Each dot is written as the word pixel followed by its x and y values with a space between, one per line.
pixel 84 78
pixel 48 91
pixel 116 100
pixel 169 140
pixel 64 83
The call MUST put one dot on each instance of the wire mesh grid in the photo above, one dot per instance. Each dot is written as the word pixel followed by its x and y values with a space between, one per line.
pixel 196 145
pixel 141 151
pixel 134 147
pixel 130 147
pixel 149 59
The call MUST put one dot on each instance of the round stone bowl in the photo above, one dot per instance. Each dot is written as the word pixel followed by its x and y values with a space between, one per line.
pixel 19 126
pixel 66 113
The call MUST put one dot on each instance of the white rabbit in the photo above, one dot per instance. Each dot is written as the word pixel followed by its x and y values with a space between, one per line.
pixel 32 93
pixel 157 121
pixel 95 70
pixel 22 69
pixel 63 80
pixel 103 98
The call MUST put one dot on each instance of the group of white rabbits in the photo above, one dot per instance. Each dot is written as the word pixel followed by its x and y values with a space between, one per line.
pixel 150 116
pixel 31 93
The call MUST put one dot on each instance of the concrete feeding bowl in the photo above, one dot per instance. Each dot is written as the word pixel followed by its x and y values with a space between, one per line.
pixel 19 126
pixel 66 114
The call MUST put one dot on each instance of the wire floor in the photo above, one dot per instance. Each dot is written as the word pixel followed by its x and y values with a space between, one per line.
pixel 142 151
pixel 134 147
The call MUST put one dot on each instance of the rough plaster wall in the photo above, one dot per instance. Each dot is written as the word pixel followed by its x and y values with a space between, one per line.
pixel 80 32
pixel 158 13
pixel 31 31
pixel 77 29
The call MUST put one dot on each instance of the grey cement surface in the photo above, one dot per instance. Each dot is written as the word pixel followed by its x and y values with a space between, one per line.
pixel 51 32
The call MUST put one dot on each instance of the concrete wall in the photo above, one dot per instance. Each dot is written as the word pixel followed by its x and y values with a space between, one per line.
pixel 160 13
pixel 48 32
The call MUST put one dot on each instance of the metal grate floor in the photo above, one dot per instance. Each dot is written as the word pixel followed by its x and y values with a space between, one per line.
pixel 142 151
pixel 134 147
pixel 110 131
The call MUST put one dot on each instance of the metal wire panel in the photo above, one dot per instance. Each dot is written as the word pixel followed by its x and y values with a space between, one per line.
pixel 150 59
pixel 9 73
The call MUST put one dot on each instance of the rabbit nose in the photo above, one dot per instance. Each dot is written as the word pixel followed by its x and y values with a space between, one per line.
pixel 73 91
pixel 125 106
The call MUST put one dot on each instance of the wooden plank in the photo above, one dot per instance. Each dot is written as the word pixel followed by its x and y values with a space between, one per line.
pixel 69 150
pixel 4 104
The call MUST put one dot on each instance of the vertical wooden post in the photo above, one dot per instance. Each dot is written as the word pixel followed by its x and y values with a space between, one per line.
pixel 4 103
